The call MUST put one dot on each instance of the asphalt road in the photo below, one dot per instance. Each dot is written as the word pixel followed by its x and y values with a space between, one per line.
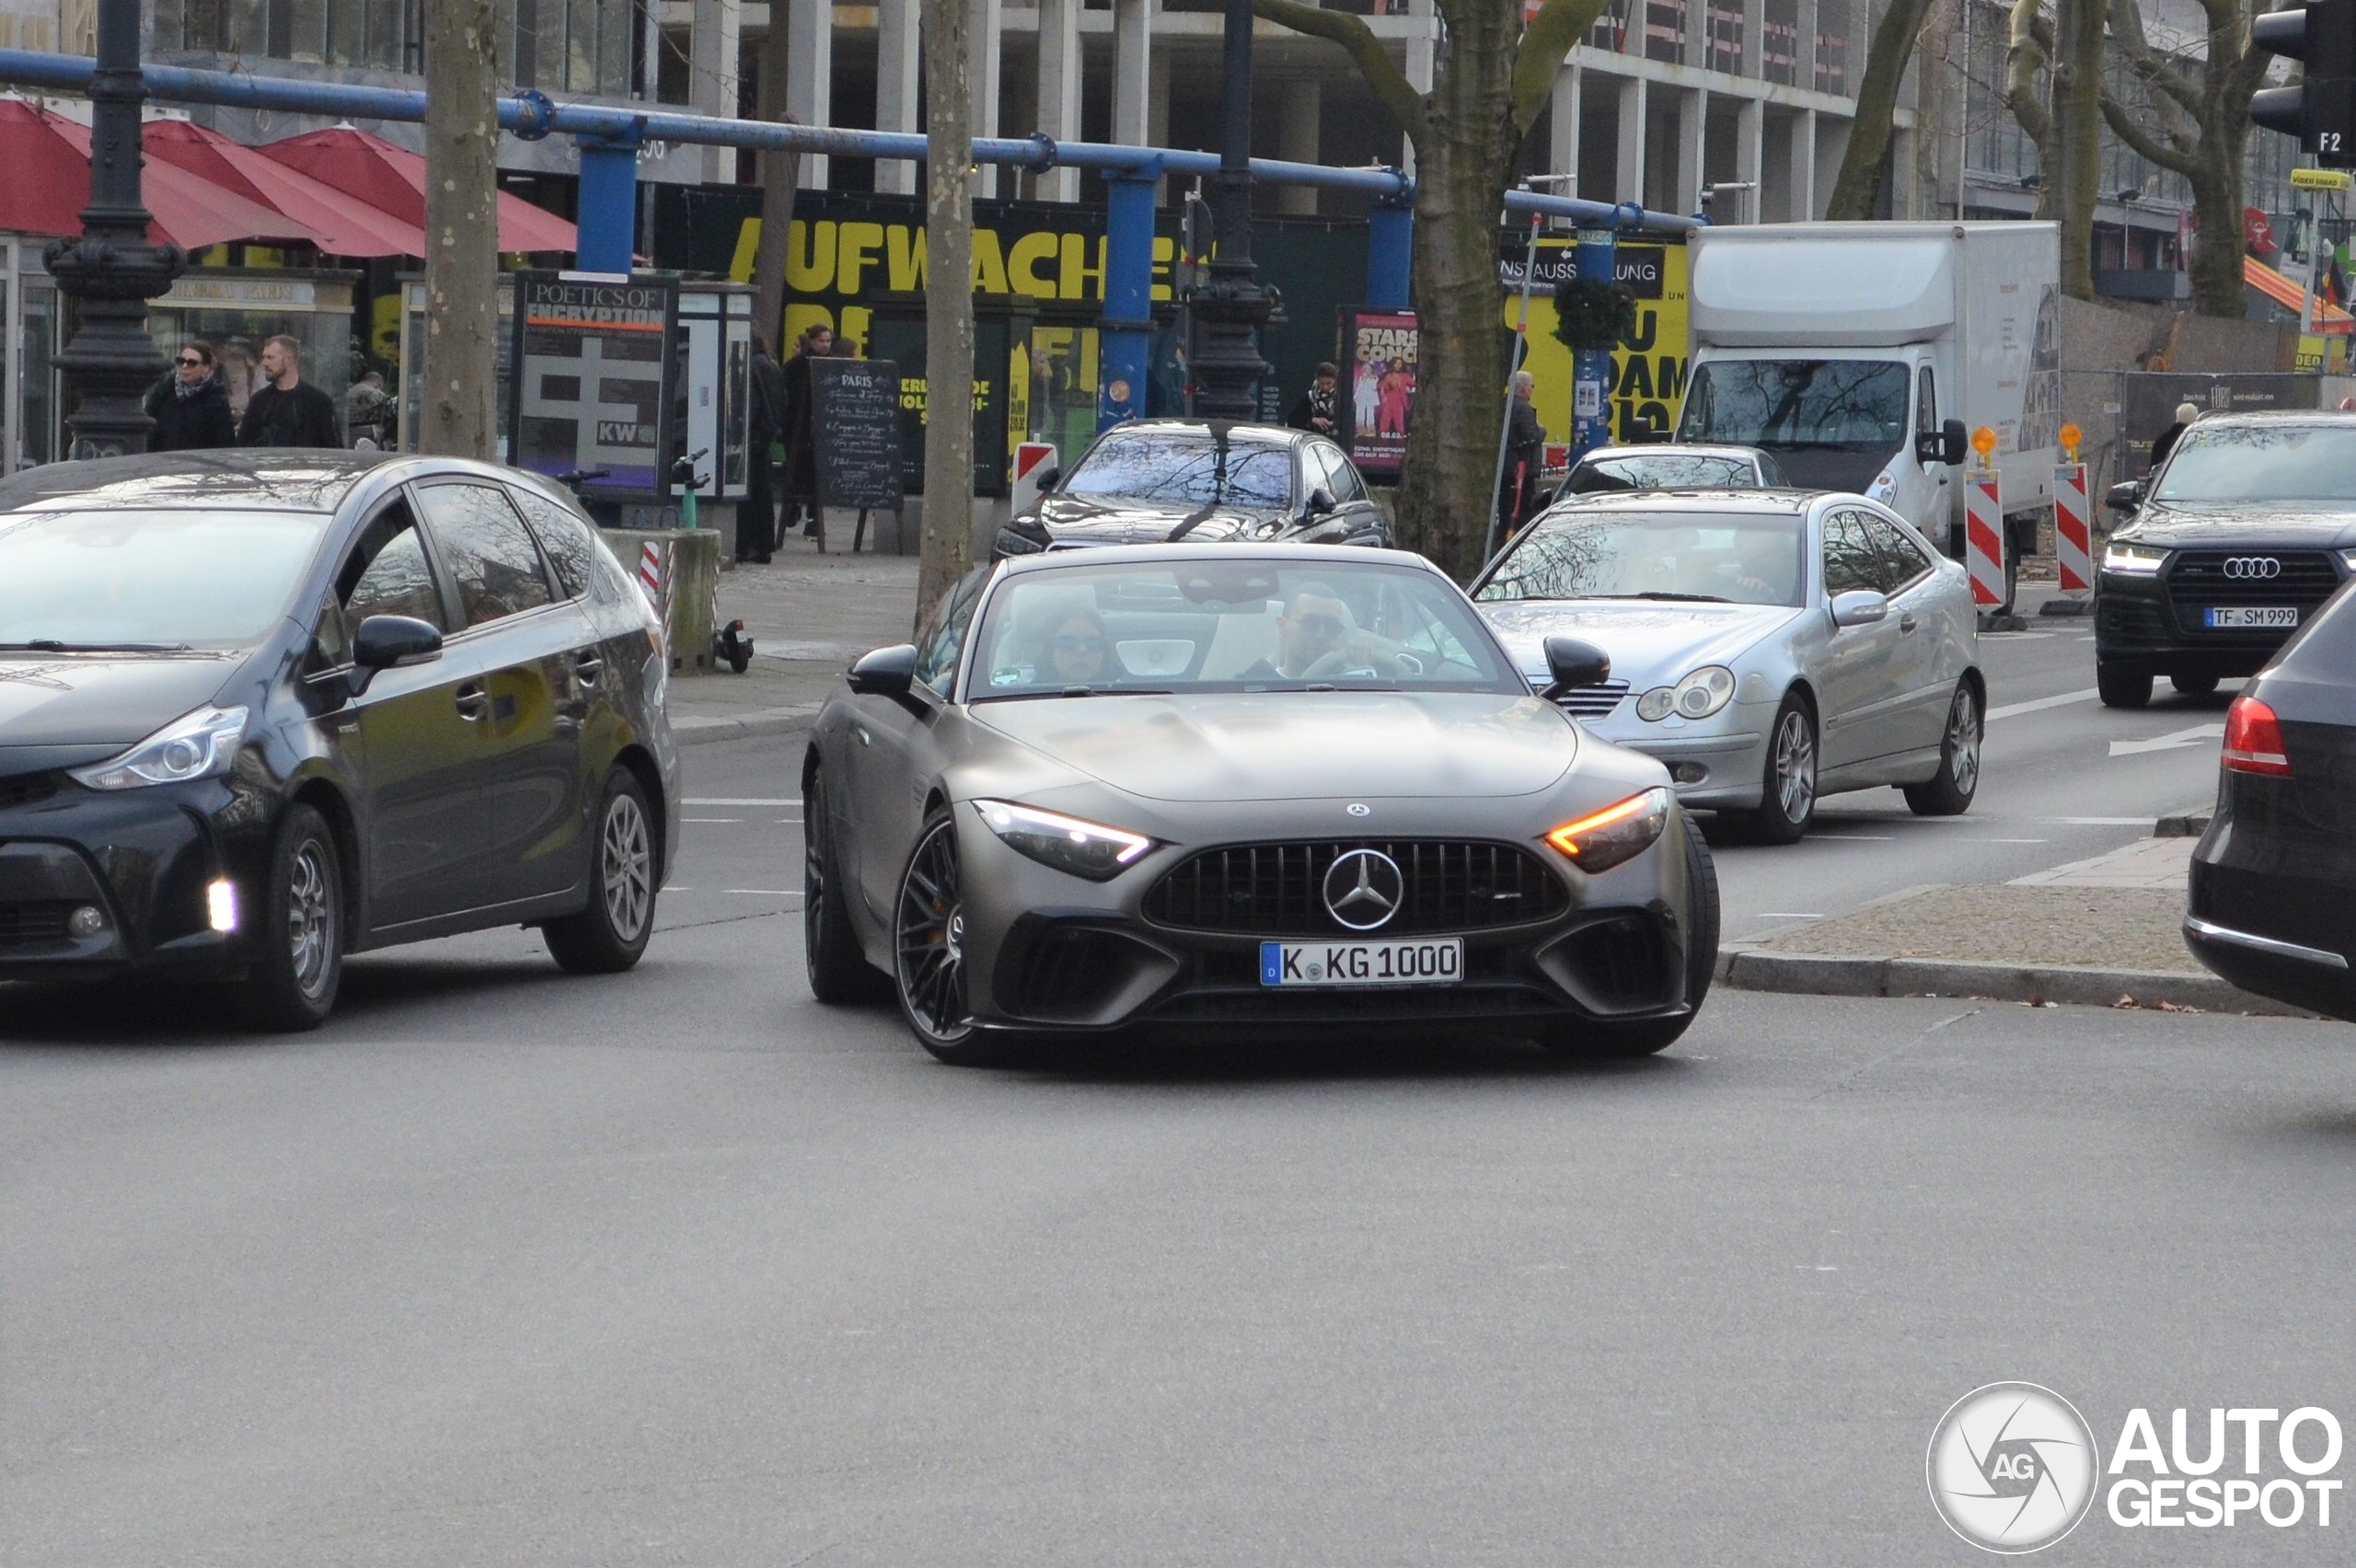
pixel 679 1267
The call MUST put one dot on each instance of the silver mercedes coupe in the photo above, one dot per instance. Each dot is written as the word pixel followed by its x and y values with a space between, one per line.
pixel 1769 647
pixel 1140 791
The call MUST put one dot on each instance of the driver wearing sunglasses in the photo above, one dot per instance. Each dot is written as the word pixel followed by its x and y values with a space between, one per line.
pixel 1317 636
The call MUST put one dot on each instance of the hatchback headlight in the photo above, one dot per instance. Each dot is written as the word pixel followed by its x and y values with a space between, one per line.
pixel 2349 559
pixel 1604 839
pixel 199 745
pixel 2142 560
pixel 1084 848
pixel 1698 696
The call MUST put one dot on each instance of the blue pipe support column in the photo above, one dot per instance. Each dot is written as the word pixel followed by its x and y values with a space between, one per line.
pixel 1597 257
pixel 1126 332
pixel 1389 249
pixel 608 212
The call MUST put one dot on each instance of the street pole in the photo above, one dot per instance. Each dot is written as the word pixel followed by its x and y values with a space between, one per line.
pixel 112 272
pixel 1231 307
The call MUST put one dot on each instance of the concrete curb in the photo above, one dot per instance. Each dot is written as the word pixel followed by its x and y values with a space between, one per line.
pixel 1824 974
pixel 2189 823
pixel 701 730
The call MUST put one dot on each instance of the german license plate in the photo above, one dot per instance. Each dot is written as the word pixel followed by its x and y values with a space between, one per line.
pixel 2229 618
pixel 1362 964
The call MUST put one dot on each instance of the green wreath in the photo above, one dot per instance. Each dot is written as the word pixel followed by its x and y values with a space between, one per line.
pixel 1590 314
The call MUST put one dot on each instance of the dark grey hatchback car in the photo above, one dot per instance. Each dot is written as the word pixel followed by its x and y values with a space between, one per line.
pixel 260 710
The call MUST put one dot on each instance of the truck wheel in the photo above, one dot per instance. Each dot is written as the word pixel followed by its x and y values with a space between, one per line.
pixel 2121 688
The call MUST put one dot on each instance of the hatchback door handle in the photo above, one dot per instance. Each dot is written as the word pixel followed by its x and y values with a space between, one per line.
pixel 473 702
pixel 1905 623
pixel 588 667
pixel 864 738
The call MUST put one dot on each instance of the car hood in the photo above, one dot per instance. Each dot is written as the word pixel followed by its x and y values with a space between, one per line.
pixel 1651 643
pixel 1299 746
pixel 86 701
pixel 2222 526
pixel 1078 520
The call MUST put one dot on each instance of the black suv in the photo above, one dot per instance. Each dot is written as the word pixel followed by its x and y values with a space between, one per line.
pixel 2236 541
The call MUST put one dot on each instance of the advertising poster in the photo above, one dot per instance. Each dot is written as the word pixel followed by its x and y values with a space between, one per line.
pixel 1649 367
pixel 1379 386
pixel 591 358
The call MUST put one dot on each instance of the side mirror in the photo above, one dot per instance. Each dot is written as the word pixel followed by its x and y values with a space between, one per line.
pixel 384 643
pixel 2124 496
pixel 1049 478
pixel 1544 498
pixel 884 672
pixel 1320 501
pixel 1572 663
pixel 1859 606
pixel 1946 445
pixel 1958 442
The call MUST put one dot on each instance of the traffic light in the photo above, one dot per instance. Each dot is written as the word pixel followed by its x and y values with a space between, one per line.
pixel 2321 110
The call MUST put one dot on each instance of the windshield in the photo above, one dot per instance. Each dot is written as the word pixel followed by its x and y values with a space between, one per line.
pixel 1233 626
pixel 211 579
pixel 1834 423
pixel 2263 463
pixel 1741 560
pixel 1184 468
pixel 1663 470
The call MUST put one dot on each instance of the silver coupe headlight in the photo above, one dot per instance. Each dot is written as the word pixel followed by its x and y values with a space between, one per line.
pixel 197 745
pixel 1698 696
pixel 1083 848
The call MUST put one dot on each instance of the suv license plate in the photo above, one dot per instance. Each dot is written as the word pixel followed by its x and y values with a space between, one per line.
pixel 1362 964
pixel 2228 617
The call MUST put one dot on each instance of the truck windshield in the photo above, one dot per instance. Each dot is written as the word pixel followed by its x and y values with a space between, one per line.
pixel 1834 423
pixel 2262 463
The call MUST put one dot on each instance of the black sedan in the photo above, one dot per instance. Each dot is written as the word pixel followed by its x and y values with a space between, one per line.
pixel 1164 481
pixel 262 710
pixel 2273 894
pixel 2237 539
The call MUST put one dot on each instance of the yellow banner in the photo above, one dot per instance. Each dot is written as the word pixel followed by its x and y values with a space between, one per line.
pixel 1648 369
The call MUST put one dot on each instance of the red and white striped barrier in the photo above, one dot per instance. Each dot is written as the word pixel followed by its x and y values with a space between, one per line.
pixel 1032 459
pixel 2073 542
pixel 650 571
pixel 1983 538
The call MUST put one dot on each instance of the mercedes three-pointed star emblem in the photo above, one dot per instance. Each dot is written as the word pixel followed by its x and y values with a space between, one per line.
pixel 1364 889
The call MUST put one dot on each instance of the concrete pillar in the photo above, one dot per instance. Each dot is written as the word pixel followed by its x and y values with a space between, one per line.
pixel 985 25
pixel 1804 67
pixel 1831 147
pixel 1754 39
pixel 1296 142
pixel 1133 72
pixel 1749 161
pixel 898 96
pixel 1693 129
pixel 1563 145
pixel 714 47
pixel 1628 171
pixel 1803 176
pixel 1060 91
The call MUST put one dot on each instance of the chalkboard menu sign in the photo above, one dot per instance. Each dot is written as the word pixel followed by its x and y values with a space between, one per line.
pixel 855 414
pixel 590 367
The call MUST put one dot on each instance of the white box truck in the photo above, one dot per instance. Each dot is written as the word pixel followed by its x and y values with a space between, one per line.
pixel 1864 355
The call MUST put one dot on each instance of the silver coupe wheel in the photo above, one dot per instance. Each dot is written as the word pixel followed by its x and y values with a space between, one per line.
pixel 310 918
pixel 628 867
pixel 1794 765
pixel 930 936
pixel 1963 742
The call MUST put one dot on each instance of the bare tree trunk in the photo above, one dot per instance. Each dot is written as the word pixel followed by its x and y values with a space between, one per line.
pixel 2025 61
pixel 1938 107
pixel 460 412
pixel 2075 180
pixel 1859 181
pixel 781 181
pixel 948 546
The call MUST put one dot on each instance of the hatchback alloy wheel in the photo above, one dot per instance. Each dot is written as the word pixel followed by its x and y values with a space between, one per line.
pixel 629 876
pixel 310 918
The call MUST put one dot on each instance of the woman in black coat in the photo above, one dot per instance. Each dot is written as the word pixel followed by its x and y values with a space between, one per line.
pixel 191 407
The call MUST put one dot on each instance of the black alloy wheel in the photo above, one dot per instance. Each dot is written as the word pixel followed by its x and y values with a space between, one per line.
pixel 838 969
pixel 929 947
pixel 611 934
pixel 294 983
pixel 1948 792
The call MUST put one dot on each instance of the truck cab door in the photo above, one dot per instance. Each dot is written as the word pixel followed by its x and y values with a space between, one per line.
pixel 1923 493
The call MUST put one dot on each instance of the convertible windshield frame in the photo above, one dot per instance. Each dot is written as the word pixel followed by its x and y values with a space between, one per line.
pixel 168 580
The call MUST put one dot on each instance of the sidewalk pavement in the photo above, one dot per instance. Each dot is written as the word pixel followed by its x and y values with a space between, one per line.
pixel 809 614
pixel 2101 932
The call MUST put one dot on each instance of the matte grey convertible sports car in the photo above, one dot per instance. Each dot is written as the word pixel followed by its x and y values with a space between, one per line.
pixel 1147 788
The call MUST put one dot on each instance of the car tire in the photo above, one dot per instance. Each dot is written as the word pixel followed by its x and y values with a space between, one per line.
pixel 1948 792
pixel 839 972
pixel 2121 688
pixel 292 985
pixel 1607 1039
pixel 928 958
pixel 1787 785
pixel 611 934
pixel 2194 686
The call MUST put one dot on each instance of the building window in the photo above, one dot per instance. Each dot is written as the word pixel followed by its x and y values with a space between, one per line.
pixel 1832 47
pixel 1779 41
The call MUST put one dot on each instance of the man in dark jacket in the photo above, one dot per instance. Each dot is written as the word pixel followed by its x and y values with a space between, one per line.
pixel 191 407
pixel 756 514
pixel 288 410
pixel 1315 409
pixel 800 447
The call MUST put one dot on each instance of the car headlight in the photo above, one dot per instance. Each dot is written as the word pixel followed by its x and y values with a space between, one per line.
pixel 1601 840
pixel 1084 848
pixel 1010 543
pixel 2140 560
pixel 1698 696
pixel 198 746
pixel 2349 557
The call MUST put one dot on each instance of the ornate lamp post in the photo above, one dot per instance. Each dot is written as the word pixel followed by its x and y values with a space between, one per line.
pixel 1232 307
pixel 112 272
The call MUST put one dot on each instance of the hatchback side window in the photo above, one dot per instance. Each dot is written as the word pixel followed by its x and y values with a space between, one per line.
pixel 489 552
pixel 1903 564
pixel 386 574
pixel 566 538
pixel 1849 558
pixel 943 637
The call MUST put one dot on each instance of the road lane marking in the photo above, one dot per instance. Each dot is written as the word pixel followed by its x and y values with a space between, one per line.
pixel 739 801
pixel 2040 704
pixel 1850 837
pixel 767 892
pixel 711 819
pixel 1789 914
pixel 2104 822
pixel 2191 736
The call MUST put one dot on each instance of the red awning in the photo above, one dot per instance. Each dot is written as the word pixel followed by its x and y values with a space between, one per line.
pixel 344 224
pixel 392 179
pixel 47 160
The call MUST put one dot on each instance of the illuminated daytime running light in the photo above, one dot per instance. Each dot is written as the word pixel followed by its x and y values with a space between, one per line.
pixel 1083 848
pixel 1617 833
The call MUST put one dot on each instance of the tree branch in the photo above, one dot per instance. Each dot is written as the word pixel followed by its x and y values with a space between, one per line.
pixel 2179 161
pixel 1549 39
pixel 1389 83
pixel 2023 58
pixel 2145 64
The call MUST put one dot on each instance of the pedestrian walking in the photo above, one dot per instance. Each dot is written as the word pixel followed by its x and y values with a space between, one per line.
pixel 1525 454
pixel 288 410
pixel 756 517
pixel 1316 409
pixel 368 413
pixel 800 449
pixel 2166 442
pixel 190 406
